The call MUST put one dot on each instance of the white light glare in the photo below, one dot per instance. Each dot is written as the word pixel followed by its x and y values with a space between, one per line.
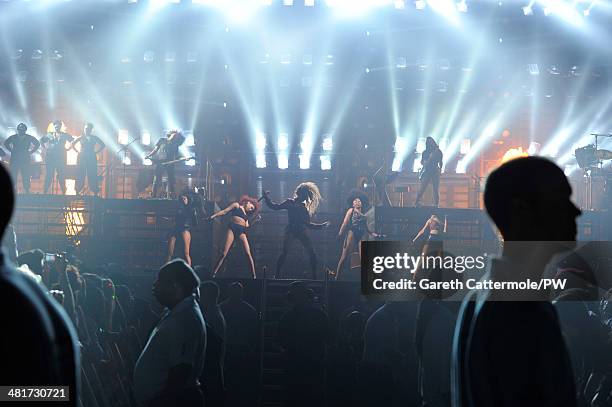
pixel 420 4
pixel 304 161
pixel 466 145
pixel 399 4
pixel 325 163
pixel 328 144
pixel 283 142
pixel 534 148
pixel 283 161
pixel 260 141
pixel 123 137
pixel 260 161
pixel 309 3
pixel 288 2
pixel 145 138
pixel 126 160
pixel 462 7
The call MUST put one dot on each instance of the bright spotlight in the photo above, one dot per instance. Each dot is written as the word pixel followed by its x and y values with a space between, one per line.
pixel 72 157
pixel 37 54
pixel 190 163
pixel 546 11
pixel 283 161
pixel 420 147
pixel 309 3
pixel 260 161
pixel 145 138
pixel 126 160
pixel 149 56
pixel 466 145
pixel 462 7
pixel 147 162
pixel 328 144
pixel 123 137
pixel 283 142
pixel 325 163
pixel 266 2
pixel 288 2
pixel 304 161
pixel 528 10
pixel 534 148
pixel 285 59
pixel 420 4
pixel 399 4
pixel 70 185
pixel 260 141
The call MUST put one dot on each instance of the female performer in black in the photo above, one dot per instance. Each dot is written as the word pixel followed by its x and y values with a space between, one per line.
pixel 300 209
pixel 431 161
pixel 243 210
pixel 434 244
pixel 184 219
pixel 357 224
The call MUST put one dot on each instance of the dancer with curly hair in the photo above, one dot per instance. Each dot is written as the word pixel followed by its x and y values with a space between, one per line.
pixel 300 209
pixel 244 214
pixel 356 223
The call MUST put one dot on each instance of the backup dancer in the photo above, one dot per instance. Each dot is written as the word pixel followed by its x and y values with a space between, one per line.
pixel 246 209
pixel 356 223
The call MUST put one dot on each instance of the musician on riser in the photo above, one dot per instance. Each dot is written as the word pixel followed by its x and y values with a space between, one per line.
pixel 165 150
pixel 431 162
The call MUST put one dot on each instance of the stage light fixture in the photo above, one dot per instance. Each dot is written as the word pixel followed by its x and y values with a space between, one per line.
pixel 285 59
pixel 288 2
pixel 170 56
pixel 325 163
pixel 126 160
pixel 123 136
pixel 283 161
pixel 328 144
pixel 260 161
pixel 420 4
pixel 401 63
pixel 534 69
pixel 147 162
pixel 57 55
pixel 37 54
pixel 260 141
pixel 70 186
pixel 329 60
pixel 399 4
pixel 192 57
pixel 307 59
pixel 149 56
pixel 528 10
pixel 283 141
pixel 304 161
pixel 462 7
pixel 309 3
pixel 534 148
pixel 17 54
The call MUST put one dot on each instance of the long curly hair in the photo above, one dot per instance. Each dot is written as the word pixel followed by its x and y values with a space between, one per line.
pixel 363 197
pixel 244 199
pixel 311 194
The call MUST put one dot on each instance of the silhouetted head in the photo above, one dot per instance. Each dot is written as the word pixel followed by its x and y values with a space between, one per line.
pixel 21 128
pixel 184 199
pixel 88 129
pixel 7 201
pixel 175 281
pixel 528 199
pixel 309 193
pixel 430 143
pixel 57 125
pixel 235 292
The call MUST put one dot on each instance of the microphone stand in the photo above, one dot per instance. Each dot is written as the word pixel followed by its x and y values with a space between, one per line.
pixel 124 149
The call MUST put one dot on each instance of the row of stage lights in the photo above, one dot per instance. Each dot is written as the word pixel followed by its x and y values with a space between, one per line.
pixel 283 147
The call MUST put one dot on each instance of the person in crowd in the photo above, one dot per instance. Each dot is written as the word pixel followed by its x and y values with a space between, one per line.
pixel 9 243
pixel 88 146
pixel 184 220
pixel 168 370
pixel 22 146
pixel 303 335
pixel 34 259
pixel 38 341
pixel 431 162
pixel 55 157
pixel 357 224
pixel 387 374
pixel 243 214
pixel 505 351
pixel 212 377
pixel 242 348
pixel 300 208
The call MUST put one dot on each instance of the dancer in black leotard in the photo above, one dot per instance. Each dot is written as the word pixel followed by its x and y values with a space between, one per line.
pixel 434 245
pixel 300 208
pixel 184 219
pixel 357 224
pixel 241 211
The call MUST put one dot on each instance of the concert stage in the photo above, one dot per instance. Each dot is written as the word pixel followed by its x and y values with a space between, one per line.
pixel 133 232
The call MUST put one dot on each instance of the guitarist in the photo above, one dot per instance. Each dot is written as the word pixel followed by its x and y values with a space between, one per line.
pixel 431 162
pixel 165 150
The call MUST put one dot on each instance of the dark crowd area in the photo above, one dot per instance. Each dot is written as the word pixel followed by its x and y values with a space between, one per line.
pixel 198 342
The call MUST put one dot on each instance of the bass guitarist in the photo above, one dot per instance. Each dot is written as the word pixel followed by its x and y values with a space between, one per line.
pixel 165 150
